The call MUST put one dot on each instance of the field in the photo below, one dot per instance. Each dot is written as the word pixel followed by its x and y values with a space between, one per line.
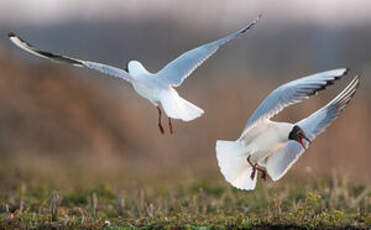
pixel 154 201
pixel 80 151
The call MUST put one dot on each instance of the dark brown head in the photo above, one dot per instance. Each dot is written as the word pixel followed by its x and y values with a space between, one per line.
pixel 297 134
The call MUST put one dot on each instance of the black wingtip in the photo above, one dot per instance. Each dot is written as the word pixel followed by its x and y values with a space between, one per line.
pixel 347 69
pixel 331 82
pixel 252 24
pixel 358 78
pixel 11 34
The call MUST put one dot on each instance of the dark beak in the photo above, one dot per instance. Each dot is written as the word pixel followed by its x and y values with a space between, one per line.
pixel 307 139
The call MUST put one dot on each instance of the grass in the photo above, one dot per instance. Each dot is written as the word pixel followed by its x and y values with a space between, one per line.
pixel 195 204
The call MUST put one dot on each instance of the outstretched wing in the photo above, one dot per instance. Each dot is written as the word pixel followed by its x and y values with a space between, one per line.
pixel 292 93
pixel 179 69
pixel 106 69
pixel 282 160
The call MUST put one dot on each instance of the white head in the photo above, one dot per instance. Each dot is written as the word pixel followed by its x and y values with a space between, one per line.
pixel 135 68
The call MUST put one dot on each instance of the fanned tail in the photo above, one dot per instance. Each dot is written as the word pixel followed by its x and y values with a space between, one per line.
pixel 178 108
pixel 233 164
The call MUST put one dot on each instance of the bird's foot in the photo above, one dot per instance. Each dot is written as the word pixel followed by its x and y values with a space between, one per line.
pixel 256 168
pixel 264 173
pixel 161 128
pixel 159 120
pixel 170 126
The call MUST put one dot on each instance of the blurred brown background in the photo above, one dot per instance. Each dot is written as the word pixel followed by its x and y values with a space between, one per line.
pixel 55 117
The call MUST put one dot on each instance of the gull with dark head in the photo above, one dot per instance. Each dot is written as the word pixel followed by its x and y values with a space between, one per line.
pixel 158 87
pixel 272 147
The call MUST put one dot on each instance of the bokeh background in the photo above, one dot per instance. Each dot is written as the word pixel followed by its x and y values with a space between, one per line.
pixel 66 123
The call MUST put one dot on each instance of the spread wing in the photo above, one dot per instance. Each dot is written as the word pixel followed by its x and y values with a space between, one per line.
pixel 179 69
pixel 292 93
pixel 106 69
pixel 281 161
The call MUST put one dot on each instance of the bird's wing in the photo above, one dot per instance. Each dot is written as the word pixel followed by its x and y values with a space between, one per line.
pixel 180 68
pixel 282 160
pixel 291 93
pixel 106 69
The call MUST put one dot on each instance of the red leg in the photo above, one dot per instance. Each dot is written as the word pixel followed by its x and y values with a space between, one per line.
pixel 248 160
pixel 159 120
pixel 253 168
pixel 170 126
pixel 253 173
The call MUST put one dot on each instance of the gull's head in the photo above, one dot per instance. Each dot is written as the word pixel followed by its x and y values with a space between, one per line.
pixel 135 68
pixel 297 134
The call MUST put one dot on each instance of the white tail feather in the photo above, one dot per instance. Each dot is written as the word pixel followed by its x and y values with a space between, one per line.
pixel 178 108
pixel 233 164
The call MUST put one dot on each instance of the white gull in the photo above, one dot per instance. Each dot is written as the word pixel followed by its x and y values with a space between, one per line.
pixel 158 87
pixel 273 147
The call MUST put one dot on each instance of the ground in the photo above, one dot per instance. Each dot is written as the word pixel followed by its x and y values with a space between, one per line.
pixel 30 202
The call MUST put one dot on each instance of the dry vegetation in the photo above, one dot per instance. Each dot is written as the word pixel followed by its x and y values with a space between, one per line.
pixel 182 202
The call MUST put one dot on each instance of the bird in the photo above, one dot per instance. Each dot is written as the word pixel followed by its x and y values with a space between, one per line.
pixel 158 88
pixel 272 147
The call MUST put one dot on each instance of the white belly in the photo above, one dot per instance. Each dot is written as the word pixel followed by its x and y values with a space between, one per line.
pixel 264 139
pixel 147 92
pixel 148 86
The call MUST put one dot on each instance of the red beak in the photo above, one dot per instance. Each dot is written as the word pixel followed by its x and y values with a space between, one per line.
pixel 301 141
